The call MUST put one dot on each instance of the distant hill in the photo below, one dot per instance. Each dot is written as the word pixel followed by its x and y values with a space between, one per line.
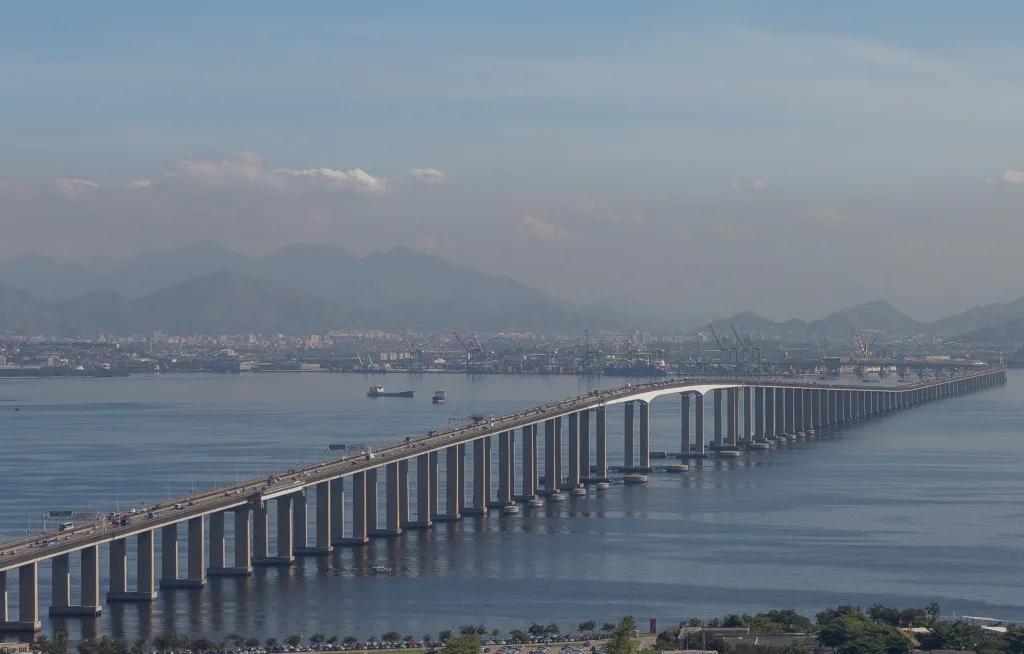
pixel 220 303
pixel 390 290
pixel 878 315
pixel 980 317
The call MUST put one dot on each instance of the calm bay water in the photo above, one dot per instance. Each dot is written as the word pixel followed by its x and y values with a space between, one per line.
pixel 920 506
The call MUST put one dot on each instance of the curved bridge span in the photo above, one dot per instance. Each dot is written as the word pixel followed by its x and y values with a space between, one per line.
pixel 746 413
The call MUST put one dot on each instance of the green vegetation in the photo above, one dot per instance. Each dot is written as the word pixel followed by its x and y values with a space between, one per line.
pixel 464 644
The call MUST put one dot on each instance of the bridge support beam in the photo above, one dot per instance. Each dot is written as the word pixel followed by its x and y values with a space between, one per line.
pixel 748 429
pixel 601 444
pixel 585 446
pixel 573 436
pixel 461 488
pixel 684 425
pixel 798 410
pixel 300 522
pixel 644 463
pixel 628 457
pixel 717 440
pixel 505 469
pixel 452 485
pixel 372 501
pixel 698 427
pixel 780 411
pixel 28 601
pixel 404 512
pixel 529 471
pixel 769 413
pixel 731 428
pixel 360 534
pixel 481 475
pixel 790 424
pixel 337 490
pixel 424 480
pixel 758 432
pixel 551 474
pixel 324 534
pixel 558 454
pixel 218 555
pixel 118 572
pixel 392 503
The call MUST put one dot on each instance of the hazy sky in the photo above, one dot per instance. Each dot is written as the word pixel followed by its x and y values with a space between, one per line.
pixel 786 157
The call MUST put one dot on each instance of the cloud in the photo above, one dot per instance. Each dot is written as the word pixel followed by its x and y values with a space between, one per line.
pixel 759 185
pixel 541 230
pixel 1009 177
pixel 824 215
pixel 72 185
pixel 604 213
pixel 139 183
pixel 754 185
pixel 430 175
pixel 246 169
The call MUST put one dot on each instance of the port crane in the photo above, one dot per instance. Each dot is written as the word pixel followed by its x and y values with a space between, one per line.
pixel 860 349
pixel 723 351
pixel 782 348
pixel 749 350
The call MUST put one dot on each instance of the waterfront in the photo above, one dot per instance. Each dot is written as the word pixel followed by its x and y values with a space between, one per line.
pixel 920 506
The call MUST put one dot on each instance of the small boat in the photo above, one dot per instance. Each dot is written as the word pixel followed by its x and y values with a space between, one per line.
pixel 727 454
pixel 535 503
pixel 635 479
pixel 603 485
pixel 781 439
pixel 510 509
pixel 439 396
pixel 557 496
pixel 380 570
pixel 578 492
pixel 378 391
pixel 759 445
pixel 677 467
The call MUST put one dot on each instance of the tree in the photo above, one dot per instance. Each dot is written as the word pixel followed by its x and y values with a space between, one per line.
pixel 140 646
pixel 553 629
pixel 371 639
pixel 956 635
pixel 202 644
pixel 520 636
pixel 317 639
pixel 391 637
pixel 41 643
pixel 252 642
pixel 271 643
pixel 350 640
pixel 464 644
pixel 624 640
pixel 588 625
pixel 535 629
pixel 444 635
pixel 428 639
pixel 933 611
pixel 408 638
pixel 495 633
pixel 293 640
pixel 608 627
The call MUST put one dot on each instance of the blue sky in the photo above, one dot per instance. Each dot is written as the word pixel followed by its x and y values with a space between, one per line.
pixel 618 130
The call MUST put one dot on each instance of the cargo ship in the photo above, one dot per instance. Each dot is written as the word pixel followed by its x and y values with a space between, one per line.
pixel 439 396
pixel 634 371
pixel 378 391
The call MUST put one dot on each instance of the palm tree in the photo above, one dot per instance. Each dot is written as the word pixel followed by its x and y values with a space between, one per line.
pixel 293 640
pixel 317 639
pixel 427 639
pixel 933 611
pixel 41 643
pixel 271 643
pixel 444 635
pixel 608 627
pixel 495 633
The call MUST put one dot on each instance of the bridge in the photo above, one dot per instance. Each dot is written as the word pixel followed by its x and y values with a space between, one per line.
pixel 771 410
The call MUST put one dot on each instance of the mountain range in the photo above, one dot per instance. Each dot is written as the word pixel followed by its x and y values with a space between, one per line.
pixel 208 288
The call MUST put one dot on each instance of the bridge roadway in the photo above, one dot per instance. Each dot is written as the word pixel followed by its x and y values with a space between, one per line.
pixel 800 406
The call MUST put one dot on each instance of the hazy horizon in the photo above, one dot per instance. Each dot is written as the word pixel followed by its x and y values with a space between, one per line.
pixel 790 159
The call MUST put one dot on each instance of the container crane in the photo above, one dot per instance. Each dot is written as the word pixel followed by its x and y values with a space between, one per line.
pixel 817 344
pixel 861 350
pixel 469 350
pixel 723 352
pixel 748 349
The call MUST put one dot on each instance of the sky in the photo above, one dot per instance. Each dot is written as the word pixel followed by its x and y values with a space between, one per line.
pixel 791 158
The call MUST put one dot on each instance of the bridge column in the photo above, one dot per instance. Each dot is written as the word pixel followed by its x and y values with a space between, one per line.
pixel 769 413
pixel 392 502
pixel 798 410
pixel 573 436
pixel 435 482
pixel 117 571
pixel 243 557
pixel 628 458
pixel 732 395
pixel 337 490
pixel 758 432
pixel 815 396
pixel 684 423
pixel 452 484
pixel 780 411
pixel 90 583
pixel 403 494
pixel 28 601
pixel 585 445
pixel 481 487
pixel 324 536
pixel 808 409
pixel 505 472
pixel 360 529
pixel 789 424
pixel 425 479
pixel 169 556
pixel 550 474
pixel 60 585
pixel 529 473
pixel 558 453
pixel 748 428
pixel 461 489
pixel 601 443
pixel 645 435
pixel 145 559
pixel 717 440
pixel 372 502
pixel 217 543
pixel 698 428
pixel 260 534
pixel 285 528
pixel 300 522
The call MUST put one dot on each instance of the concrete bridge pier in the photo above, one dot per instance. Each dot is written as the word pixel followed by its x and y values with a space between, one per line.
pixel 196 570
pixel 337 491
pixel 601 444
pixel 551 473
pixel 780 411
pixel 452 486
pixel 748 428
pixel 28 601
pixel 573 436
pixel 789 424
pixel 769 414
pixel 529 471
pixel 461 488
pixel 324 538
pixel 404 513
pixel 360 532
pixel 628 458
pixel 732 396
pixel 284 533
pixel 757 433
pixel 684 425
pixel 716 441
pixel 505 469
pixel 558 453
pixel 218 555
pixel 300 522
pixel 644 464
pixel 145 577
pixel 392 503
pixel 698 427
pixel 584 466
pixel 425 480
pixel 481 476
pixel 798 410
pixel 60 579
pixel 372 501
